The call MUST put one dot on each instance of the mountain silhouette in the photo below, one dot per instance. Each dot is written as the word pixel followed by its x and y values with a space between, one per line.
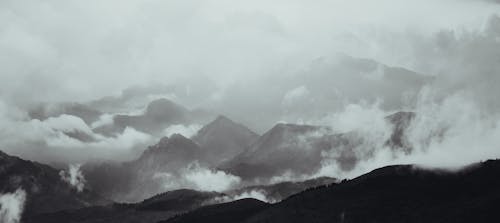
pixel 400 193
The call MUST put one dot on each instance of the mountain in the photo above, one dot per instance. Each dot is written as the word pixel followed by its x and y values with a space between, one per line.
pixel 158 115
pixel 230 212
pixel 223 139
pixel 169 153
pixel 299 149
pixel 401 193
pixel 284 147
pixel 46 190
pixel 134 180
pixel 151 210
pixel 175 203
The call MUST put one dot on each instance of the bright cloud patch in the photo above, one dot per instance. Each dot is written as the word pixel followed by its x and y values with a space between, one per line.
pixel 11 206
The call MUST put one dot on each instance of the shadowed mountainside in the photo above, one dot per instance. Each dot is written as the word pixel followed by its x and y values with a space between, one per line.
pixel 45 190
pixel 154 209
pixel 401 193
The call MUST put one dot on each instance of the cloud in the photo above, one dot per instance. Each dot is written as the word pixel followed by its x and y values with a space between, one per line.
pixel 255 194
pixel 445 133
pixel 11 206
pixel 104 119
pixel 197 177
pixel 185 130
pixel 456 120
pixel 65 138
pixel 296 94
pixel 117 44
pixel 210 180
pixel 74 177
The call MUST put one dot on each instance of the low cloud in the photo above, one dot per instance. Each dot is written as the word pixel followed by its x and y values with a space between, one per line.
pixel 186 130
pixel 445 133
pixel 65 138
pixel 74 177
pixel 255 194
pixel 104 119
pixel 197 177
pixel 210 180
pixel 11 206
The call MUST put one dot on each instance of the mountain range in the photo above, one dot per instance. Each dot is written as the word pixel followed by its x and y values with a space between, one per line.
pixel 224 145
pixel 272 167
pixel 401 193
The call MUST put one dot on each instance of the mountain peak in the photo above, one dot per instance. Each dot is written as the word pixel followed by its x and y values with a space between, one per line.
pixel 223 139
pixel 175 138
pixel 170 150
pixel 163 105
pixel 223 124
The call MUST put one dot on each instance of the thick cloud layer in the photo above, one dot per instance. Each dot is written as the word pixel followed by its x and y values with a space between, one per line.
pixel 69 50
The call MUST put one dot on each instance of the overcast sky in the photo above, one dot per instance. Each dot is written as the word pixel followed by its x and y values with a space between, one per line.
pixel 74 50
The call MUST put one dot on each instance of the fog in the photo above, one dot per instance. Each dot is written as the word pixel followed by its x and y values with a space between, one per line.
pixel 344 64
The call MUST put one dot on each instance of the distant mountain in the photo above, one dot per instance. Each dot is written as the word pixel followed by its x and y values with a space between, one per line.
pixel 158 115
pixel 136 179
pixel 219 140
pixel 223 139
pixel 169 153
pixel 284 147
pixel 401 193
pixel 151 210
pixel 233 148
pixel 46 191
pixel 299 149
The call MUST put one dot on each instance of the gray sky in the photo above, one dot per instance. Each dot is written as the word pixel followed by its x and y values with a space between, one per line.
pixel 73 50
